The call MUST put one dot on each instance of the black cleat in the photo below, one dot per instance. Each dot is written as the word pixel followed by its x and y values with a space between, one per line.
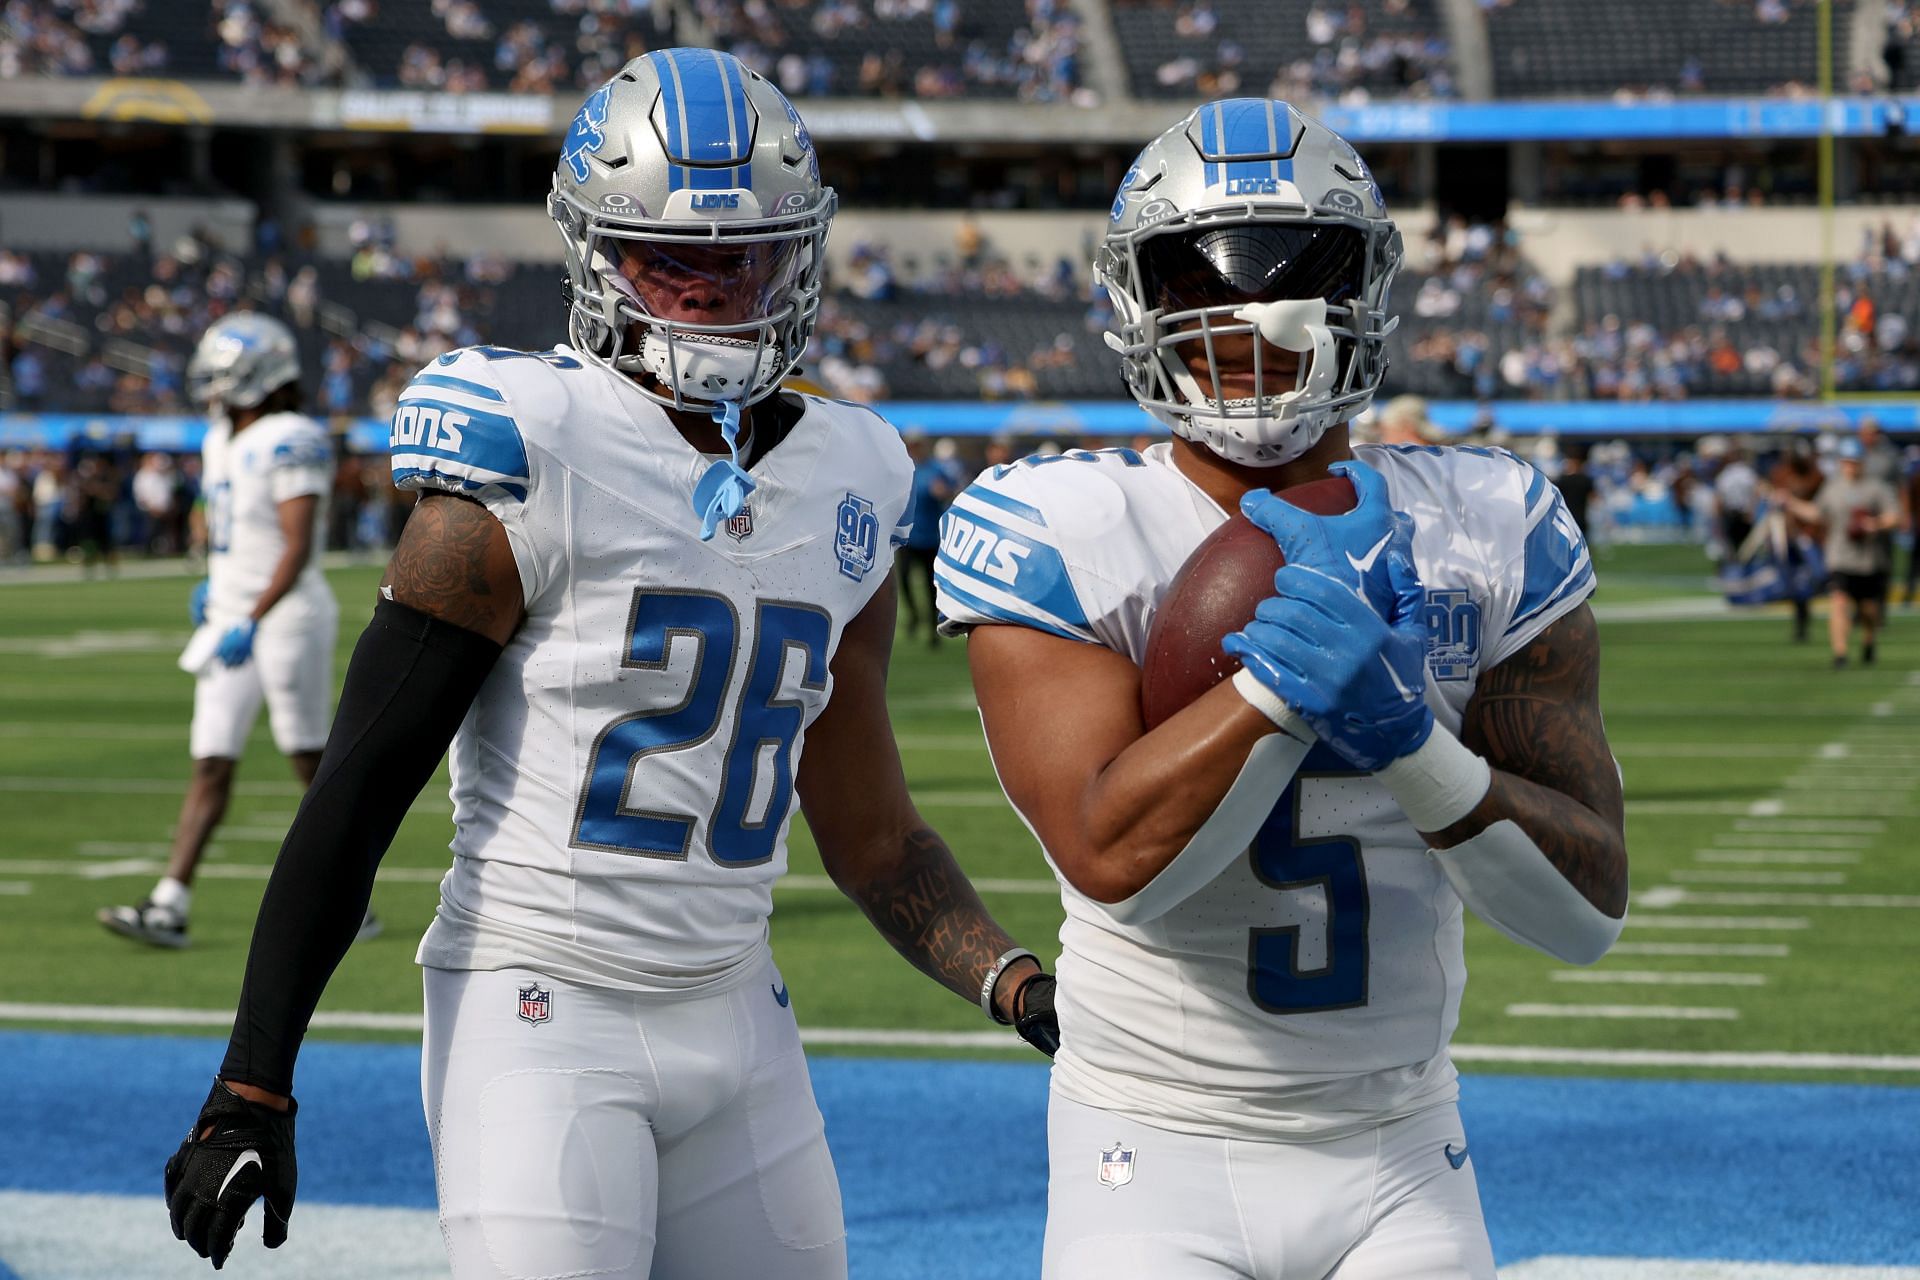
pixel 154 925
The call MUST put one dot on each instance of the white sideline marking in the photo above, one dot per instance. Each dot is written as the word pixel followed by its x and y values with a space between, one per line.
pixel 1838 782
pixel 1760 1060
pixel 1901 901
pixel 1659 978
pixel 1814 839
pixel 1813 858
pixel 1662 1012
pixel 1865 826
pixel 1690 875
pixel 1742 923
pixel 1772 950
pixel 1559 1267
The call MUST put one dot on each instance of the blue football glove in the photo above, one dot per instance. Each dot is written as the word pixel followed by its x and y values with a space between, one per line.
pixel 197 603
pixel 1349 548
pixel 236 646
pixel 1356 678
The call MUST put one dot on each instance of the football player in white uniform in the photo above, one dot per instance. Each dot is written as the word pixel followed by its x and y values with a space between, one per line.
pixel 639 579
pixel 264 616
pixel 1262 952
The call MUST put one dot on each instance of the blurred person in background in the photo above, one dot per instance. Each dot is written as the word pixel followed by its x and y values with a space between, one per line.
pixel 1575 485
pixel 1879 460
pixel 13 495
pixel 1910 504
pixel 265 617
pixel 1796 479
pixel 92 489
pixel 1404 420
pixel 154 491
pixel 1736 499
pixel 933 488
pixel 1857 513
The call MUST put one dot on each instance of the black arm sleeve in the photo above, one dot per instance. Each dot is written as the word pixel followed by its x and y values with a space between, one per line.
pixel 408 686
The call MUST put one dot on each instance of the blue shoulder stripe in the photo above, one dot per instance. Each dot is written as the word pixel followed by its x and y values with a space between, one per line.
pixel 1535 488
pixel 974 549
pixel 1012 506
pixel 470 448
pixel 995 613
pixel 1555 563
pixel 451 383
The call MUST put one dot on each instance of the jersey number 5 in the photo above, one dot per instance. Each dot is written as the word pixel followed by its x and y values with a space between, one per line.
pixel 765 727
pixel 1331 866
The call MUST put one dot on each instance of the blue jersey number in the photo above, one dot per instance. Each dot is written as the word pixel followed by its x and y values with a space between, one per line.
pixel 765 727
pixel 1331 864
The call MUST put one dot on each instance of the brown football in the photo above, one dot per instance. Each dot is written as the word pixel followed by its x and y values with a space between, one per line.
pixel 1215 594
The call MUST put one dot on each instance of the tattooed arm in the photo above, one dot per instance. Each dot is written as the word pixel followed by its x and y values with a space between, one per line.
pixel 1536 719
pixel 454 563
pixel 875 844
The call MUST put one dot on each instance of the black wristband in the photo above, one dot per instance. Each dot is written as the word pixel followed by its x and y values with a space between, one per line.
pixel 408 686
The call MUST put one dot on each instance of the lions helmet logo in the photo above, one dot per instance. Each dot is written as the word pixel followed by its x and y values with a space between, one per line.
pixel 587 134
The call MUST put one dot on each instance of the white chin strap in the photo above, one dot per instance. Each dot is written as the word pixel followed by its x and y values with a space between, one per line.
pixel 706 368
pixel 1284 426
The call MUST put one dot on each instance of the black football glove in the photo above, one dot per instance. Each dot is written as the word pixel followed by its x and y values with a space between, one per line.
pixel 1033 1015
pixel 246 1153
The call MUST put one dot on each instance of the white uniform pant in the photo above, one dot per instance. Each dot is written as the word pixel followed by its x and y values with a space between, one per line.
pixel 291 669
pixel 624 1136
pixel 1386 1204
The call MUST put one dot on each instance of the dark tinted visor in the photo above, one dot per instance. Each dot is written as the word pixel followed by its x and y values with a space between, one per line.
pixel 1252 262
pixel 749 276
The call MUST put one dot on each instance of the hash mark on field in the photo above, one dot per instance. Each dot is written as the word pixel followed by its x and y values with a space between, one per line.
pixel 1810 858
pixel 1766 808
pixel 1835 751
pixel 15 888
pixel 1658 978
pixel 1658 1012
pixel 1709 875
pixel 1769 950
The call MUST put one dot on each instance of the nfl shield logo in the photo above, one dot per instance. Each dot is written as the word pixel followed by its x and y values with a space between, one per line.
pixel 1116 1167
pixel 740 526
pixel 536 1004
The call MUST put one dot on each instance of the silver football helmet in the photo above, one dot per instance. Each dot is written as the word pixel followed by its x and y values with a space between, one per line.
pixel 242 359
pixel 689 199
pixel 1248 259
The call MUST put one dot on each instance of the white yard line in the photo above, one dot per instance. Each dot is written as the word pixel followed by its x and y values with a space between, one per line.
pixel 1812 858
pixel 1756 1060
pixel 1766 950
pixel 1747 839
pixel 1655 1012
pixel 1642 920
pixel 1863 826
pixel 15 888
pixel 1658 978
pixel 1704 898
pixel 1708 875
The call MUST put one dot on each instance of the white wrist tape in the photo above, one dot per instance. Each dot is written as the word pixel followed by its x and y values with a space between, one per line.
pixel 1271 705
pixel 1505 880
pixel 1224 836
pixel 1439 783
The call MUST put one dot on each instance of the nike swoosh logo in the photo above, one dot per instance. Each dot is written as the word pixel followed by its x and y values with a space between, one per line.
pixel 1364 564
pixel 1456 1160
pixel 1406 694
pixel 780 995
pixel 247 1157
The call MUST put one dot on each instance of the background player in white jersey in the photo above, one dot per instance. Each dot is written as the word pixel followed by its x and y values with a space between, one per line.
pixel 264 616
pixel 1262 953
pixel 639 578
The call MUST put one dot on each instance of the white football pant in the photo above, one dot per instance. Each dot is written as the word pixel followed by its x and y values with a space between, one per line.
pixel 624 1136
pixel 1126 1201
pixel 291 669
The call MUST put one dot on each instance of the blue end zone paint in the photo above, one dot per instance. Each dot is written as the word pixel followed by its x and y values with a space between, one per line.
pixel 946 1159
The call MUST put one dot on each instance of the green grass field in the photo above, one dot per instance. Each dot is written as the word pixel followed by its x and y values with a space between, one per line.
pixel 1771 803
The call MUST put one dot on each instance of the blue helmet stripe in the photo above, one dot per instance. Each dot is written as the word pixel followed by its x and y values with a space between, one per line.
pixel 669 77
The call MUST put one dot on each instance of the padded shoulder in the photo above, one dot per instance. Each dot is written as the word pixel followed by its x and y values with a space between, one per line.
pixel 456 428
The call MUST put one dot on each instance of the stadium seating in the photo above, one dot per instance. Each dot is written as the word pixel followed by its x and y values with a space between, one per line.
pixel 526 46
pixel 1301 48
pixel 1556 48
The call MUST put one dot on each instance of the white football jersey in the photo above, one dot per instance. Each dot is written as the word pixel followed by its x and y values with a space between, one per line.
pixel 1312 988
pixel 623 783
pixel 245 478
